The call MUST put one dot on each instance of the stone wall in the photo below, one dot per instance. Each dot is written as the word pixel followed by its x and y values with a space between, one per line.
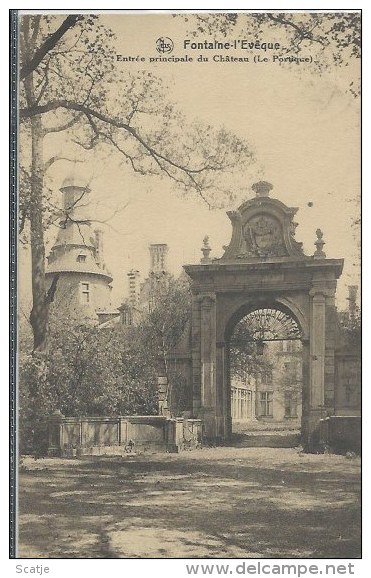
pixel 348 384
pixel 69 289
pixel 117 435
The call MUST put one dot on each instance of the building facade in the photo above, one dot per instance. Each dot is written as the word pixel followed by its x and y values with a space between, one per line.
pixel 273 393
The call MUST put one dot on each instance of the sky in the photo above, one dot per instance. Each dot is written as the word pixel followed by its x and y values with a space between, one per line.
pixel 304 130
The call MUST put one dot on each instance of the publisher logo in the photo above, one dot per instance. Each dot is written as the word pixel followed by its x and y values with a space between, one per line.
pixel 164 45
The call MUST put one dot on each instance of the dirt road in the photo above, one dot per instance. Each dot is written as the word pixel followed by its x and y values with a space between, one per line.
pixel 210 503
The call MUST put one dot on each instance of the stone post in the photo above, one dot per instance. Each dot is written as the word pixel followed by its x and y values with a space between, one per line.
pixel 305 391
pixel 330 335
pixel 55 433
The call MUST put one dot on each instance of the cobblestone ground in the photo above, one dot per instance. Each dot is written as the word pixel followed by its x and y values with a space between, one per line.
pixel 210 503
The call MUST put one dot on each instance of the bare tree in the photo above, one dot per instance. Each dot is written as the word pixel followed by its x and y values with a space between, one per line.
pixel 334 38
pixel 69 83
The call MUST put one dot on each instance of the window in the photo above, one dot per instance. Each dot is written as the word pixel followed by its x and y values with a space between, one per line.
pixel 85 292
pixel 266 403
pixel 291 404
pixel 289 346
pixel 241 403
pixel 81 258
pixel 127 318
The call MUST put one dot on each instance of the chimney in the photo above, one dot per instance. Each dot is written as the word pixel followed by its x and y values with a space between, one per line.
pixel 99 248
pixel 158 254
pixel 134 286
pixel 352 299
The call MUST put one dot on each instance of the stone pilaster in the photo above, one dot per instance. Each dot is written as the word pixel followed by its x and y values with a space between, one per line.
pixel 322 350
pixel 196 355
pixel 223 392
pixel 208 361
pixel 330 337
pixel 317 350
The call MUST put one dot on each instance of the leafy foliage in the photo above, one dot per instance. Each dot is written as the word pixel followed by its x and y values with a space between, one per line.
pixel 334 38
pixel 87 372
pixel 164 327
pixel 112 371
pixel 245 358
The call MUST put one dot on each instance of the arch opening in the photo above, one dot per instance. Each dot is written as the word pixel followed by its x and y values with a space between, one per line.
pixel 265 371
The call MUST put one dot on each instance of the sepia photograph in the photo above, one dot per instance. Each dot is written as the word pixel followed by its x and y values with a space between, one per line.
pixel 187 312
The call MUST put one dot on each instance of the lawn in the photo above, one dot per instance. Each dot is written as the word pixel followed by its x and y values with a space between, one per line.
pixel 209 503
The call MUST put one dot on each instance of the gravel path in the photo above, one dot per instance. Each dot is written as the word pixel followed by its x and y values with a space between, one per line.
pixel 210 503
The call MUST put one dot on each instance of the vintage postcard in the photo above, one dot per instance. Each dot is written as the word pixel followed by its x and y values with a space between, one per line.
pixel 187 374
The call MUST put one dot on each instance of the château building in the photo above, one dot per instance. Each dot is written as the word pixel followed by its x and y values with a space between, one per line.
pixel 77 260
pixel 275 392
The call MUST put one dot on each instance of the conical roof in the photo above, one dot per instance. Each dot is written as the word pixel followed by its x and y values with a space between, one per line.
pixel 76 248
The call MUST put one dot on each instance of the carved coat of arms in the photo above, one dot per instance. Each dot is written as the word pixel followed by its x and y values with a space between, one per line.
pixel 263 237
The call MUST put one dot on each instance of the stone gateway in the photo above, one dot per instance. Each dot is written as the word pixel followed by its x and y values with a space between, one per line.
pixel 263 267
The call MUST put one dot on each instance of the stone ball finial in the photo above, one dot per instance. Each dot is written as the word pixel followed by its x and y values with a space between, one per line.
pixel 262 188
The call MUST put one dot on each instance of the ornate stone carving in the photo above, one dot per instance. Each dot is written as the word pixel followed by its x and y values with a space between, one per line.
pixel 263 228
pixel 263 237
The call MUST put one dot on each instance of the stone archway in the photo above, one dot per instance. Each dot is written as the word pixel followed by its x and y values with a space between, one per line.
pixel 263 264
pixel 264 374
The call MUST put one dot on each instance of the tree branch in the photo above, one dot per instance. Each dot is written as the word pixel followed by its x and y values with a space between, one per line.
pixel 30 65
pixel 56 158
pixel 302 33
pixel 91 113
pixel 64 126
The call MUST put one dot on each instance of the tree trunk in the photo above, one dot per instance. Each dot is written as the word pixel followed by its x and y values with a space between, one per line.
pixel 40 305
pixel 40 301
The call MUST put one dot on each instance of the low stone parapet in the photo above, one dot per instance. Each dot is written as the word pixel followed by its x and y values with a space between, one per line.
pixel 69 436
